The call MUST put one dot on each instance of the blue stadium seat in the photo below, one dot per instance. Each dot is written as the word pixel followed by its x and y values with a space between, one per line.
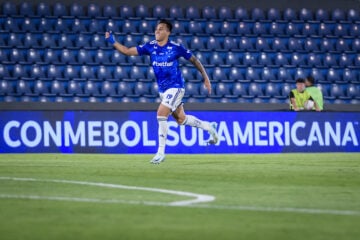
pixel 346 60
pixel 246 44
pixel 250 59
pixel 23 87
pixel 192 12
pixel 41 87
pixel 326 29
pixel 4 73
pixel 137 73
pixel 230 43
pixel 71 72
pixel 6 87
pixel 110 11
pixel 283 75
pixel 318 75
pixel 120 73
pixel 274 14
pixel 353 91
pixel 272 90
pixel 59 10
pixel 76 10
pixel 146 27
pixel 244 28
pixel 290 14
pixel 51 56
pixel 26 9
pixel 108 88
pixel 178 27
pixel 54 71
pixel 216 58
pixel 252 74
pixel 9 9
pixel 241 14
pixel 261 28
pixel 257 14
pixel 126 12
pixel 333 75
pixel 338 15
pixel 176 12
pixel 306 15
pixel 142 11
pixel 195 27
pixel 227 27
pixel 209 12
pixel 4 55
pixel 292 29
pixel 103 73
pixel 239 89
pixel 255 90
pixel 309 29
pixel 354 30
pixel 96 26
pixel 197 43
pixel 341 30
pixel 327 45
pixel 93 10
pixel 38 72
pixel 235 74
pixel 79 26
pixel 281 59
pixel 267 74
pixel 297 59
pixel 97 41
pixel 321 15
pixel 191 89
pixel 91 88
pixel 45 25
pixel 279 44
pixel 102 56
pixel 142 88
pixel 232 59
pixel 16 55
pixel 31 40
pixel 213 43
pixel 357 60
pixel 87 72
pixel 20 71
pixel 350 75
pixel 301 73
pixel 342 45
pixel 212 27
pixel 265 59
pixel 28 25
pixel 67 57
pixel 277 28
pixel 75 88
pixel 47 41
pixel 219 74
pixel 311 45
pixel 262 44
pixel 57 87
pixel 223 89
pixel 336 91
pixel 353 15
pixel 225 13
pixel 314 59
pixel 159 12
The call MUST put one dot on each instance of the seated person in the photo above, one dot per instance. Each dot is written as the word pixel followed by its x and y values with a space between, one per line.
pixel 315 93
pixel 299 97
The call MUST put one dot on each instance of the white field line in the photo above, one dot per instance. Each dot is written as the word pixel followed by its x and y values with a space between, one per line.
pixel 197 198
pixel 188 204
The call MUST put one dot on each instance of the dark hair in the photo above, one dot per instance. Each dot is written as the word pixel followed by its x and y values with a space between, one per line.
pixel 311 80
pixel 300 80
pixel 167 23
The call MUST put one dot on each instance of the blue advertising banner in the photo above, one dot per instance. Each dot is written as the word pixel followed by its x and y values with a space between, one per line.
pixel 136 132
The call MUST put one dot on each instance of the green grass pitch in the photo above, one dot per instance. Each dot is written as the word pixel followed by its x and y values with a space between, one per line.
pixel 265 196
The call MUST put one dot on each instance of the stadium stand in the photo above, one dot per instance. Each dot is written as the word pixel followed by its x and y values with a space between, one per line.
pixel 54 52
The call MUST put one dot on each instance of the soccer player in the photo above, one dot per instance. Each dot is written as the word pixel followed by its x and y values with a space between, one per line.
pixel 315 93
pixel 299 96
pixel 164 55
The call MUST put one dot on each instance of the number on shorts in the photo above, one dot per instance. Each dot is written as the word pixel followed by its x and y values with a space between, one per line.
pixel 169 96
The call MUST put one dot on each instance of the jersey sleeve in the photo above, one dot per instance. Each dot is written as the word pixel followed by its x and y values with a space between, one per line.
pixel 185 53
pixel 291 94
pixel 143 49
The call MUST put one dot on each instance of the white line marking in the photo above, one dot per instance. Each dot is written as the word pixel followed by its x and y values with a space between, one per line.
pixel 188 204
pixel 198 198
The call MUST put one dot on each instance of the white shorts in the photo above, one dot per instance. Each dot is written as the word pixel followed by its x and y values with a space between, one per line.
pixel 172 98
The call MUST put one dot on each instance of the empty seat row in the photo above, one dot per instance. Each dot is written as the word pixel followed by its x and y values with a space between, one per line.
pixel 191 12
pixel 76 25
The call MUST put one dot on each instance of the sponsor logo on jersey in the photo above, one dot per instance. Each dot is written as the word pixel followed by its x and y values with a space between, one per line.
pixel 162 64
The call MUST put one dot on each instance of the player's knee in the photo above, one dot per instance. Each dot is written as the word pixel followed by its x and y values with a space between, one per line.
pixel 181 120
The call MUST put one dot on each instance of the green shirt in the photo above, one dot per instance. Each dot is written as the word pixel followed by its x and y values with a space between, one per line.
pixel 300 98
pixel 316 94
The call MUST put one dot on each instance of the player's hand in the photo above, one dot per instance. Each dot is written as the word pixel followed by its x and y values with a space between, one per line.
pixel 110 37
pixel 207 85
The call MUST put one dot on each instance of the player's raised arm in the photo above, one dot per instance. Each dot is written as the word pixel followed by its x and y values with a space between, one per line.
pixel 132 51
pixel 201 69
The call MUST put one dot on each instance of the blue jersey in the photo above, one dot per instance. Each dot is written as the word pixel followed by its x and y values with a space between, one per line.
pixel 164 60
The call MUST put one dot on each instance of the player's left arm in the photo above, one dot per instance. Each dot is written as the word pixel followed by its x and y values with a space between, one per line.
pixel 202 70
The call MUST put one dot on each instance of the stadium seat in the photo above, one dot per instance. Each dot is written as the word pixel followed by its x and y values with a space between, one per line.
pixel 255 90
pixel 4 55
pixel 11 25
pixel 9 9
pixel 192 12
pixel 4 73
pixel 230 43
pixel 71 72
pixel 54 72
pixel 6 87
pixel 257 14
pixel 126 12
pixel 349 75
pixel 91 88
pixel 311 45
pixel 212 27
pixel 239 89
pixel 225 13
pixel 57 88
pixel 235 74
pixel 75 88
pixel 213 43
pixel 306 15
pixel 142 11
pixel 353 91
pixel 277 28
pixel 102 73
pixel 146 27
pixel 333 75
pixel 41 87
pixel 178 28
pixel 209 13
pixel 93 10
pixel 216 59
pixel 346 60
pixel 321 15
pixel 314 59
pixel 353 15
pixel 252 74
pixel 142 88
pixel 68 57
pixel 223 89
pixel 76 10
pixel 159 12
pixel 87 72
pixel 16 55
pixel 19 71
pixel 197 43
pixel 330 60
pixel 354 30
pixel 272 90
pixel 108 88
pixel 336 91
pixel 176 12
pixel 59 10
pixel 327 45
pixel 137 73
pixel 45 25
pixel 102 57
pixel 26 9
pixel 227 27
pixel 243 28
pixel 309 29
pixel 190 89
pixel 110 11
pixel 279 44
pixel 267 74
pixel 338 15
pixel 260 28
pixel 232 59
pixel 342 30
pixel 23 87
pixel 195 27
pixel 281 59
pixel 292 29
pixel 290 15
pixel 342 45
pixel 262 44
pixel 274 14
pixel 297 59
pixel 120 73
pixel 28 25
pixel 241 14
pixel 250 59
pixel 246 44
pixel 38 71
pixel 219 74
pixel 265 59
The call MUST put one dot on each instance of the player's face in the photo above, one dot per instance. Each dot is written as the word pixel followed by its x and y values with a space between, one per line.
pixel 300 86
pixel 161 32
